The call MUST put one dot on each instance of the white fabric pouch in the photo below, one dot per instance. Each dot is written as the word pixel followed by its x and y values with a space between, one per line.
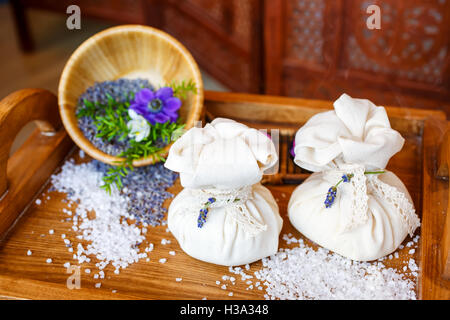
pixel 224 161
pixel 370 213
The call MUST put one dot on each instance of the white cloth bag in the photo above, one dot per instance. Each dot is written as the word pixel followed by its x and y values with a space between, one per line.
pixel 225 160
pixel 373 213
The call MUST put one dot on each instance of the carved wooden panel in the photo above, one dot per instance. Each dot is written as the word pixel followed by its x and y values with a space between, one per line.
pixel 325 48
pixel 304 31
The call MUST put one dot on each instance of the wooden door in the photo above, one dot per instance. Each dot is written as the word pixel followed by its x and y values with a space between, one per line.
pixel 225 37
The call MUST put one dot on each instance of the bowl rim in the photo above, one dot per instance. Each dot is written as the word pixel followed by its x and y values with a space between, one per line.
pixel 66 112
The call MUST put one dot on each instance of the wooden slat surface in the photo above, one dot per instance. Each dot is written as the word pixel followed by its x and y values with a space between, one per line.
pixel 30 277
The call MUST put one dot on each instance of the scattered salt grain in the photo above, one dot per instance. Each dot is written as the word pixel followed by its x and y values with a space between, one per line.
pixel 165 241
pixel 87 271
pixel 230 294
pixel 29 253
pixel 163 260
pixel 51 231
pixel 172 253
pixel 38 202
pixel 63 236
pixel 66 265
pixel 304 273
pixel 224 287
pixel 178 279
pixel 109 237
pixel 411 251
pixel 49 260
pixel 217 282
pixel 98 285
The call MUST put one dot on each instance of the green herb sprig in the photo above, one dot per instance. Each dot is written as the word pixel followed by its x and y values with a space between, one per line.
pixel 110 120
pixel 181 89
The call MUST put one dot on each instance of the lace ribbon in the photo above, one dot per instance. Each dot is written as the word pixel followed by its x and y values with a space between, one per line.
pixel 234 201
pixel 362 185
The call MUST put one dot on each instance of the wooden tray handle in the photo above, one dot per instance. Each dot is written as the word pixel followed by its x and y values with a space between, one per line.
pixel 18 109
pixel 443 171
pixel 26 171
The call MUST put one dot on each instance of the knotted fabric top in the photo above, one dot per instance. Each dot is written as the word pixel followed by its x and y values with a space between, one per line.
pixel 355 132
pixel 224 154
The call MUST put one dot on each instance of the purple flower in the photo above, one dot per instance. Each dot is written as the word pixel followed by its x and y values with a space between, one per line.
pixel 292 150
pixel 160 106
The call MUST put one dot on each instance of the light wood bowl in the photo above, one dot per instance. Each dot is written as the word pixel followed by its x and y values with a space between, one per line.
pixel 127 51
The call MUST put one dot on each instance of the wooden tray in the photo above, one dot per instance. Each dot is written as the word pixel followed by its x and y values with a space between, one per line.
pixel 30 277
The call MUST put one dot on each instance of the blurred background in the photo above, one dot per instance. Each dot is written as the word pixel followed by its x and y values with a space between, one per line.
pixel 314 49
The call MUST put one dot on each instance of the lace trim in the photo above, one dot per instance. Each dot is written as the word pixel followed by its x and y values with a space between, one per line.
pixel 361 185
pixel 360 198
pixel 398 199
pixel 234 201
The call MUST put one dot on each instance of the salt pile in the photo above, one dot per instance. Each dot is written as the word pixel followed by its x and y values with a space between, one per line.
pixel 111 238
pixel 304 273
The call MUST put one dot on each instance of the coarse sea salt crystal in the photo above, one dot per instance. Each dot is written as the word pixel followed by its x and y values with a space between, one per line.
pixel 305 273
pixel 172 253
pixel 110 238
pixel 29 253
pixel 163 260
pixel 49 260
pixel 178 279
pixel 38 202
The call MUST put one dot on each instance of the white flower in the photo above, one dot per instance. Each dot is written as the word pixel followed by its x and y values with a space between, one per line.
pixel 138 126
